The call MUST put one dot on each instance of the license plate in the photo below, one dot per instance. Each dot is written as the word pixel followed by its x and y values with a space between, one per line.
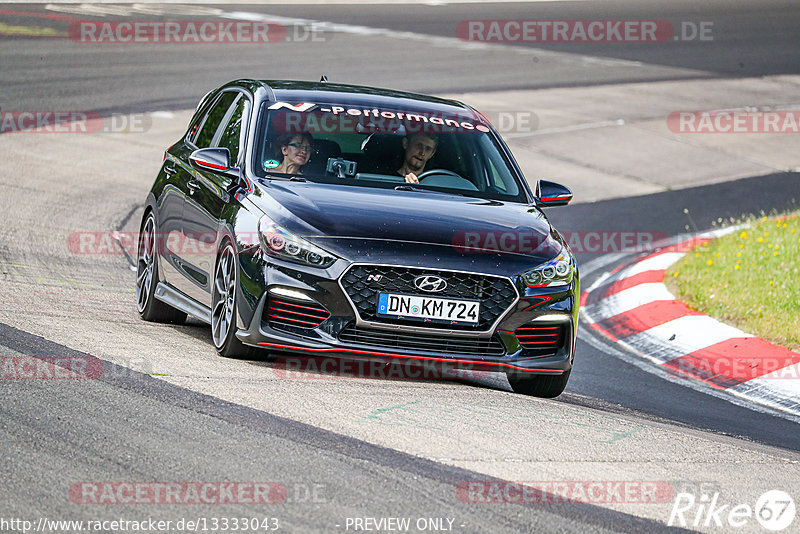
pixel 428 308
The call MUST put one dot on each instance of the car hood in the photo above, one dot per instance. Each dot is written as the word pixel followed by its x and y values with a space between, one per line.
pixel 331 215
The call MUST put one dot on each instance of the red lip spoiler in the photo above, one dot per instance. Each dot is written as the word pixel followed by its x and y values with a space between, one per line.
pixel 428 358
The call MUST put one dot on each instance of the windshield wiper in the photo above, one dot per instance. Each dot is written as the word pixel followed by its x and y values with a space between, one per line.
pixel 406 187
pixel 292 178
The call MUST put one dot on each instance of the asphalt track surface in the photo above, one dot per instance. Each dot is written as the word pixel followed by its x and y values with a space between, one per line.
pixel 156 431
pixel 133 426
pixel 750 39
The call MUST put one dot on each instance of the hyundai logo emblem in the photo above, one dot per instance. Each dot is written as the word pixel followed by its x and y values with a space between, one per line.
pixel 430 283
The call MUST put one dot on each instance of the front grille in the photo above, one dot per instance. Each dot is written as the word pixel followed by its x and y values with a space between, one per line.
pixel 541 339
pixel 282 312
pixel 362 283
pixel 398 341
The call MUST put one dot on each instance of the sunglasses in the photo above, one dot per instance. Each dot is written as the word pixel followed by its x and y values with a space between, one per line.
pixel 306 148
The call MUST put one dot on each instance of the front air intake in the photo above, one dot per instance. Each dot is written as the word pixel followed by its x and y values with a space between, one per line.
pixel 282 312
pixel 541 339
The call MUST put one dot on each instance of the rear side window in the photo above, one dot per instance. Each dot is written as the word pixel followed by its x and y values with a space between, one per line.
pixel 213 119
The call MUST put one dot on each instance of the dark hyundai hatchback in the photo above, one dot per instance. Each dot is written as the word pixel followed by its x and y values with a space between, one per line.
pixel 357 222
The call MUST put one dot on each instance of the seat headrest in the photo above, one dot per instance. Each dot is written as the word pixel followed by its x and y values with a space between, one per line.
pixel 327 148
pixel 382 145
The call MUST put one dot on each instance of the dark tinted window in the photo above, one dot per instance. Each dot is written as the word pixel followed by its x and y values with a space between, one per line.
pixel 213 119
pixel 232 132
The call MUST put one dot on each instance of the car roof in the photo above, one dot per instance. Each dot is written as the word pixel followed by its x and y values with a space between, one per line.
pixel 357 95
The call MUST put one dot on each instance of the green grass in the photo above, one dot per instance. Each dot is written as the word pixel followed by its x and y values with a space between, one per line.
pixel 749 279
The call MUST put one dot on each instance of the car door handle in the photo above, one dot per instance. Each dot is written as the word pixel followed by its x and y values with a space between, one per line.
pixel 194 185
pixel 169 169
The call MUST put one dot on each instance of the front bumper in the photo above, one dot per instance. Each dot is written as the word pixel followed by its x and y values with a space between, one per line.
pixel 535 334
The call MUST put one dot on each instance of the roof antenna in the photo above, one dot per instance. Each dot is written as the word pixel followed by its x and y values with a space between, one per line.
pixel 323 79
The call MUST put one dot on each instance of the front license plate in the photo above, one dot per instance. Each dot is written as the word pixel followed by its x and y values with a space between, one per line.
pixel 428 308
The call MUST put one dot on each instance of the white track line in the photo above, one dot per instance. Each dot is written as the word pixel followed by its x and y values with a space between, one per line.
pixel 779 390
pixel 441 41
pixel 657 262
pixel 682 336
pixel 627 300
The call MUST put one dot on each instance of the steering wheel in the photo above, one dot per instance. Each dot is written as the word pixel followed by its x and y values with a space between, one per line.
pixel 439 171
pixel 448 179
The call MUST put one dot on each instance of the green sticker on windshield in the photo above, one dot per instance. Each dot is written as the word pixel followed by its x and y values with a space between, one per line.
pixel 271 164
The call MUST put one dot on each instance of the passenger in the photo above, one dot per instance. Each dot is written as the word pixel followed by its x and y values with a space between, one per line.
pixel 296 151
pixel 419 148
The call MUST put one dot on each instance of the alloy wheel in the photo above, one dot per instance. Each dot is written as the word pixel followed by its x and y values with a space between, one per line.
pixel 144 264
pixel 223 295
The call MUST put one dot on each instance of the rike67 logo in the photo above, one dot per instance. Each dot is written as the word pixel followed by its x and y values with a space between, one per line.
pixel 774 510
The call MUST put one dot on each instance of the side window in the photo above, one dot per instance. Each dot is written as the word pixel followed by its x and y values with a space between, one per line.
pixel 500 177
pixel 213 119
pixel 494 176
pixel 232 133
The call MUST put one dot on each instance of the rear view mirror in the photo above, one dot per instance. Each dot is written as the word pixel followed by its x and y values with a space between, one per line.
pixel 216 160
pixel 552 194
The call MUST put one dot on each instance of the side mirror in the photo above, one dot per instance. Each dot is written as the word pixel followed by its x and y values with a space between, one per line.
pixel 552 194
pixel 216 160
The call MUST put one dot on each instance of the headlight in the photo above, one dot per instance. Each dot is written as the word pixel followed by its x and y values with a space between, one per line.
pixel 556 272
pixel 277 241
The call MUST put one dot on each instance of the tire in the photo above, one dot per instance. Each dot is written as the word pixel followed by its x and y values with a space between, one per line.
pixel 148 306
pixel 544 386
pixel 223 306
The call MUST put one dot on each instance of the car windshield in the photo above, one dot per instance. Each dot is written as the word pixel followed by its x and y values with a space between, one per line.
pixel 453 154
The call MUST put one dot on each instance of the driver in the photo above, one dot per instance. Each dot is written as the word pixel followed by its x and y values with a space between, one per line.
pixel 419 148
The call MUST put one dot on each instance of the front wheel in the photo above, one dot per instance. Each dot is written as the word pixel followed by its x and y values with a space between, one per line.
pixel 223 306
pixel 544 386
pixel 149 307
